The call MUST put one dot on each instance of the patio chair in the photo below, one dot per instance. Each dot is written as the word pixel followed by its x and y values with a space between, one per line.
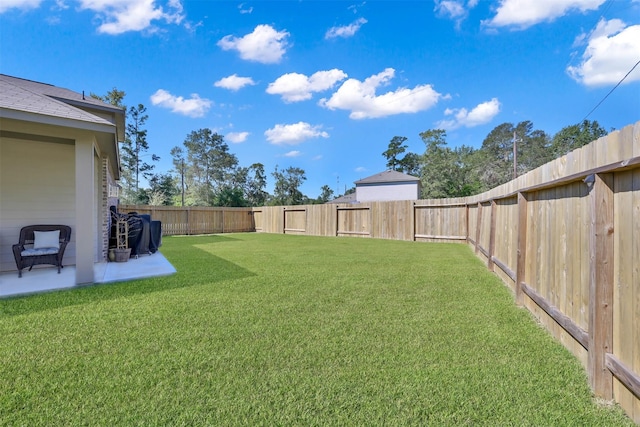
pixel 41 244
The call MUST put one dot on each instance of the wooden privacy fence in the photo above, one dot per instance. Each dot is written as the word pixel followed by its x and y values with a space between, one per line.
pixel 196 220
pixel 422 220
pixel 564 237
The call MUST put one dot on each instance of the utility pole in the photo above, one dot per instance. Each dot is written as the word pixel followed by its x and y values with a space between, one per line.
pixel 515 155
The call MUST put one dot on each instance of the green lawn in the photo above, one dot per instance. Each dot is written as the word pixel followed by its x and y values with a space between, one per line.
pixel 272 330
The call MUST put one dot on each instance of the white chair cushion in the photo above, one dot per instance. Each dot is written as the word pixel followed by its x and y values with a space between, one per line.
pixel 46 239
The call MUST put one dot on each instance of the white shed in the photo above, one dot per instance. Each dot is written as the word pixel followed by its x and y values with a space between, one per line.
pixel 388 185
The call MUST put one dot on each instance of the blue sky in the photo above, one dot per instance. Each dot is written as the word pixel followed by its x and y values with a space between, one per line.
pixel 325 85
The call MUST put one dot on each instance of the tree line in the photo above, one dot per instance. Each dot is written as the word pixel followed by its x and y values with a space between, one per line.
pixel 465 171
pixel 206 173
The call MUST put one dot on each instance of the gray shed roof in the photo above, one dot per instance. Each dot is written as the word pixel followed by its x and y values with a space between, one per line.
pixel 41 98
pixel 387 176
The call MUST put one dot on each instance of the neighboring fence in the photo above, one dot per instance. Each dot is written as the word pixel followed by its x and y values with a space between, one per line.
pixel 196 220
pixel 564 237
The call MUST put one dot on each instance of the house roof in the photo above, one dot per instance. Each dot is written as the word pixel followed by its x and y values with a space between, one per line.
pixel 44 104
pixel 347 198
pixel 40 98
pixel 388 176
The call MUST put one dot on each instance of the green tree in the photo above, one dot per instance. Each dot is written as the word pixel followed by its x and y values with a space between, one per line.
pixel 575 136
pixel 287 186
pixel 497 165
pixel 446 172
pixel 162 189
pixel 180 170
pixel 396 147
pixel 132 149
pixel 254 191
pixel 326 194
pixel 411 164
pixel 210 167
pixel 230 196
pixel 463 180
pixel 435 164
pixel 534 150
pixel 113 97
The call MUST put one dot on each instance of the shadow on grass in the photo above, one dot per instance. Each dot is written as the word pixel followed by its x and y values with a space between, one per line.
pixel 196 266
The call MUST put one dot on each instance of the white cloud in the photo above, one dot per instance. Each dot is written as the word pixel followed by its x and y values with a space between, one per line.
pixel 264 44
pixel 19 4
pixel 450 8
pixel 525 13
pixel 234 82
pixel 345 31
pixel 360 169
pixel 293 153
pixel 361 99
pixel 294 87
pixel 245 10
pixel 294 134
pixel 192 107
pixel 120 16
pixel 354 7
pixel 454 9
pixel 61 5
pixel 612 50
pixel 481 114
pixel 237 137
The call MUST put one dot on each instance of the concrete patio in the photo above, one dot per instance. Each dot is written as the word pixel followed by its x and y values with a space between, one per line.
pixel 46 279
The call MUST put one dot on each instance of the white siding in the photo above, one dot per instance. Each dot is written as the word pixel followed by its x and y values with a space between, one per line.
pixel 97 207
pixel 387 191
pixel 37 186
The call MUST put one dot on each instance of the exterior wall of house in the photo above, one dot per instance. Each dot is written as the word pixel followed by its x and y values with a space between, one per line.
pixel 37 186
pixel 98 212
pixel 387 191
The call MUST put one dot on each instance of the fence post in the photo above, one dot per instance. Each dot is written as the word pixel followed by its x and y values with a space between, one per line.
pixel 522 246
pixel 413 221
pixel 492 234
pixel 601 259
pixel 284 220
pixel 188 221
pixel 466 220
pixel 478 225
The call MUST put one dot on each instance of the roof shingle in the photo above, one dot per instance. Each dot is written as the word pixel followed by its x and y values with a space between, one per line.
pixel 39 98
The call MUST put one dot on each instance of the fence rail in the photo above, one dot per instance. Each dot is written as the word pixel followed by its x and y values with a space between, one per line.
pixel 564 237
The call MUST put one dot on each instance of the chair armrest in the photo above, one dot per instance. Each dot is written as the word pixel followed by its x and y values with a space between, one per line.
pixel 63 246
pixel 17 252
